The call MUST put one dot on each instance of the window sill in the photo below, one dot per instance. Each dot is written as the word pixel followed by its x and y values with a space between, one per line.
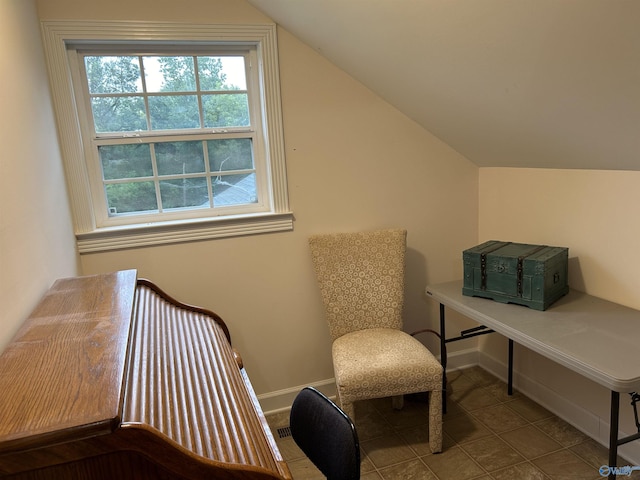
pixel 120 238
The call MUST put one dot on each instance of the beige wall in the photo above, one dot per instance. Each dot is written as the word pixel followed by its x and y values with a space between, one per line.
pixel 353 162
pixel 594 213
pixel 36 241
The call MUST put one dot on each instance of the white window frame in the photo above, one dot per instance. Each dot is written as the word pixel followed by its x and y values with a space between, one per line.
pixel 94 235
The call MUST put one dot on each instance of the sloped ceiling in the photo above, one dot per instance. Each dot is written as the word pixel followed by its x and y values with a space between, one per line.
pixel 523 83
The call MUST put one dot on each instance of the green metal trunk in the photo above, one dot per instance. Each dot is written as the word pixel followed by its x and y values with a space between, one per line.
pixel 531 275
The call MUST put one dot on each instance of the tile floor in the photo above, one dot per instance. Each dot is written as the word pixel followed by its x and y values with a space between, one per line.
pixel 487 435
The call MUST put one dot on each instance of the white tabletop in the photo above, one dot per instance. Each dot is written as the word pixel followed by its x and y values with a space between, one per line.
pixel 594 337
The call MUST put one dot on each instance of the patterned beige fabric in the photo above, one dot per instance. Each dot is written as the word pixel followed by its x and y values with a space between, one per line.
pixel 361 279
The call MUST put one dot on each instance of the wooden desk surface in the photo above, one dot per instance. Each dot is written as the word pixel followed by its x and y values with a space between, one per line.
pixel 594 337
pixel 75 364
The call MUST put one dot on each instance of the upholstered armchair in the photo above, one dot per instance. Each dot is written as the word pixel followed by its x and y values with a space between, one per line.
pixel 361 280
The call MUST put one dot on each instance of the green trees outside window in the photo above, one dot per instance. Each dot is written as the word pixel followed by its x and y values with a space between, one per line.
pixel 144 102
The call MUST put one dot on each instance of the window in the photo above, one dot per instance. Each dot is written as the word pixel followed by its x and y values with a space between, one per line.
pixel 172 135
pixel 169 132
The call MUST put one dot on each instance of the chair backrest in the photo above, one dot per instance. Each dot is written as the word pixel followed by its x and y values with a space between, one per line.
pixel 326 435
pixel 361 278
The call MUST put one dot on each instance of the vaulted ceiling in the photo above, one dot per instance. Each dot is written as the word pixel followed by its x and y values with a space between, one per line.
pixel 523 83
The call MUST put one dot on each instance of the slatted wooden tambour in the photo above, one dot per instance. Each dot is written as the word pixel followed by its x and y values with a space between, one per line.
pixel 152 389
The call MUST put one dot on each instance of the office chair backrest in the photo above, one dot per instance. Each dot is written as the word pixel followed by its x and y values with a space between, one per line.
pixel 326 435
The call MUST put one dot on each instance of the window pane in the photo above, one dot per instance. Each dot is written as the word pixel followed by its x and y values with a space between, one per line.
pixel 169 74
pixel 125 161
pixel 226 110
pixel 118 114
pixel 113 74
pixel 175 158
pixel 230 154
pixel 184 192
pixel 221 73
pixel 134 197
pixel 234 190
pixel 174 111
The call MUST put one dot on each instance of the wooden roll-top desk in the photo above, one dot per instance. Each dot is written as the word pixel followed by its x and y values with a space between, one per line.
pixel 110 378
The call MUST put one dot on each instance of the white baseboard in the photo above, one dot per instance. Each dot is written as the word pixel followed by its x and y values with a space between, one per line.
pixel 281 400
pixel 461 359
pixel 585 421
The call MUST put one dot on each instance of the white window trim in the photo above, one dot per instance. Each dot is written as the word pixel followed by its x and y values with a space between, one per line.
pixel 90 238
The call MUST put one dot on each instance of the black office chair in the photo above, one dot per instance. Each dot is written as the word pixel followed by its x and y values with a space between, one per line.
pixel 326 435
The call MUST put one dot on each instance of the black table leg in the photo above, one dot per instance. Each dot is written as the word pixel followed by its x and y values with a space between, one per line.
pixel 613 432
pixel 510 374
pixel 443 359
